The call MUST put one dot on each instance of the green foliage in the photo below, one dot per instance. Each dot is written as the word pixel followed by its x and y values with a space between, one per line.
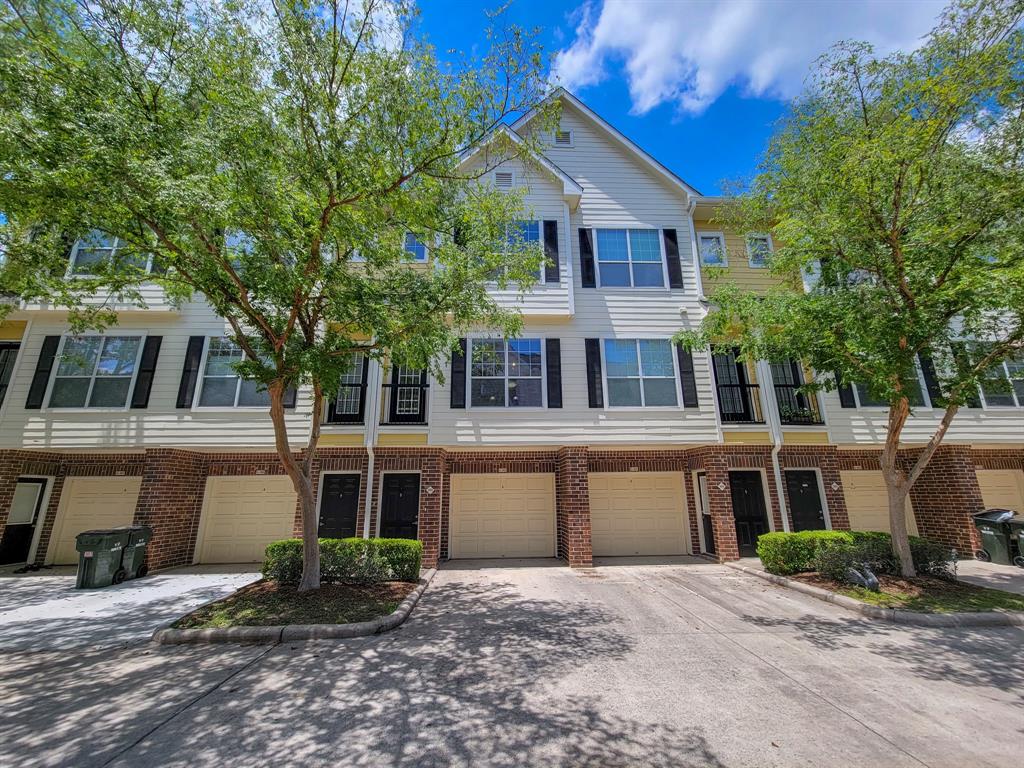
pixel 347 561
pixel 874 548
pixel 786 553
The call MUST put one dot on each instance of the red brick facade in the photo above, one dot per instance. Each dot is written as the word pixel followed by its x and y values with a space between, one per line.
pixel 174 480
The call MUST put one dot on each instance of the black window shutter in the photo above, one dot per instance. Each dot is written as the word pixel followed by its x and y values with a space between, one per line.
pixel 36 392
pixel 595 395
pixel 675 268
pixel 147 367
pixel 553 355
pixel 587 277
pixel 290 396
pixel 845 393
pixel 458 382
pixel 687 378
pixel 551 270
pixel 459 236
pixel 931 381
pixel 190 371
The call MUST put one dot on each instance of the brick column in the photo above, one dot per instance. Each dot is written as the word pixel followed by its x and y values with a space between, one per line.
pixel 716 466
pixel 945 497
pixel 572 505
pixel 170 501
pixel 432 471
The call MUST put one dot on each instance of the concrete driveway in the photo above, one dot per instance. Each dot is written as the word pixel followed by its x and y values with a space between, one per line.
pixel 631 664
pixel 43 611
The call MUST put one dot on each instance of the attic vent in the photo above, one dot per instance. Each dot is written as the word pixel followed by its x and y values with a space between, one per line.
pixel 503 179
pixel 563 138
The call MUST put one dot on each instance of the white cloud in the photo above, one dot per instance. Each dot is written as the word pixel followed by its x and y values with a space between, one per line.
pixel 688 52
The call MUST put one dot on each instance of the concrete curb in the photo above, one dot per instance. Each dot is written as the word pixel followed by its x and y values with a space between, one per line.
pixel 290 632
pixel 895 615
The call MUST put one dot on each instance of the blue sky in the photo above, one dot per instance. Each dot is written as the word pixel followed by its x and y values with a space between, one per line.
pixel 697 83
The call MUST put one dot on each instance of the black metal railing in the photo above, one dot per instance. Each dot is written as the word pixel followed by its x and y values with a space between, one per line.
pixel 405 403
pixel 796 407
pixel 740 403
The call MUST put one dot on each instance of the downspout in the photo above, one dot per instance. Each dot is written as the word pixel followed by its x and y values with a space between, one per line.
pixel 567 222
pixel 375 379
pixel 764 374
pixel 691 206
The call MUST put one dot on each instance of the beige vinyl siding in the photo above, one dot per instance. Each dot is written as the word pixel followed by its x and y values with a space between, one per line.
pixel 160 423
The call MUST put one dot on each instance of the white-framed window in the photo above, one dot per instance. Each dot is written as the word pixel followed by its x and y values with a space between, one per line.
pixel 506 374
pixel 415 247
pixel 639 373
pixel 220 385
pixel 759 250
pixel 100 249
pixel 504 179
pixel 519 236
pixel 350 386
pixel 95 371
pixel 563 138
pixel 630 258
pixel 712 249
pixel 914 387
pixel 407 399
pixel 1004 387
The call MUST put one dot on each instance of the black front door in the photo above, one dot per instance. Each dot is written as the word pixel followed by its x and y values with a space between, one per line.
pixel 23 517
pixel 748 509
pixel 400 506
pixel 339 506
pixel 805 501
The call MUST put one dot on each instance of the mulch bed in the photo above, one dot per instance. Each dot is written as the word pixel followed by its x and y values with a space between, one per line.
pixel 266 603
pixel 925 594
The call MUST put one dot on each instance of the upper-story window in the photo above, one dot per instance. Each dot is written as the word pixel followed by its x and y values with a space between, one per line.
pixel 95 371
pixel 506 373
pixel 415 247
pixel 350 387
pixel 563 138
pixel 1004 386
pixel 221 386
pixel 639 372
pixel 912 387
pixel 712 249
pixel 759 249
pixel 630 258
pixel 98 251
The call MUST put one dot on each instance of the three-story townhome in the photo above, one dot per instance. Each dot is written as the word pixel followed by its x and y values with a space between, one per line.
pixel 589 435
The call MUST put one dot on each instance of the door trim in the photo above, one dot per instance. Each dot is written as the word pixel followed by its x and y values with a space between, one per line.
pixel 320 494
pixel 43 507
pixel 380 497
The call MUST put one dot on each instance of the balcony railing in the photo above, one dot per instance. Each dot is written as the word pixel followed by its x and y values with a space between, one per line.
pixel 796 407
pixel 405 402
pixel 740 403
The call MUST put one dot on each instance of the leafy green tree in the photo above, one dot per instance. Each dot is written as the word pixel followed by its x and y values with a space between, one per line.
pixel 896 185
pixel 270 157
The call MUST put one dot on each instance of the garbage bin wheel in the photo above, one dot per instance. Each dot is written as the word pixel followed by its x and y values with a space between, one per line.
pixel 143 570
pixel 1019 561
pixel 119 575
pixel 981 554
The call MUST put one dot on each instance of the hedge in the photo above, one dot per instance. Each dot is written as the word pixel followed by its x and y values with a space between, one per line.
pixel 347 561
pixel 831 553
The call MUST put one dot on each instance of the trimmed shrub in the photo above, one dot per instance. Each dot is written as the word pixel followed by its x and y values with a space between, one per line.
pixel 786 553
pixel 402 557
pixel 874 548
pixel 347 561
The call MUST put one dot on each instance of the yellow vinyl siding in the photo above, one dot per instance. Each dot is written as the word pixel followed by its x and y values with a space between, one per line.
pixel 12 330
pixel 737 269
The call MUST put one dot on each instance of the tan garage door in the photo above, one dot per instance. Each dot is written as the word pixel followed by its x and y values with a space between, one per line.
pixel 867 502
pixel 241 515
pixel 502 516
pixel 637 513
pixel 88 503
pixel 1002 488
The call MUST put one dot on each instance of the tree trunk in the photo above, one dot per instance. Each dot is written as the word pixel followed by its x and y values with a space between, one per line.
pixel 897 486
pixel 300 474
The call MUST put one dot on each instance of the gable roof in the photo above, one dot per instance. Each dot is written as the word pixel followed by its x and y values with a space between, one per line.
pixel 629 144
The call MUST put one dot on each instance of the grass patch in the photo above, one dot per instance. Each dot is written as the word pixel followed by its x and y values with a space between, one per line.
pixel 923 594
pixel 267 604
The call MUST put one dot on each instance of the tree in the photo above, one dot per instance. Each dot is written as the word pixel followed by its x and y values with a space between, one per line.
pixel 271 157
pixel 900 181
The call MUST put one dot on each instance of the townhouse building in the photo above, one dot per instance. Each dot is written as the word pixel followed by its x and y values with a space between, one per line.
pixel 590 435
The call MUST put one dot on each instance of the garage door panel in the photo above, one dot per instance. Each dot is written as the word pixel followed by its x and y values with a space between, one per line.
pixel 242 515
pixel 867 501
pixel 637 513
pixel 500 515
pixel 1002 488
pixel 88 503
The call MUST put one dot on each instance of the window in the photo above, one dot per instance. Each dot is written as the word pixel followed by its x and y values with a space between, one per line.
pixel 866 400
pixel 630 258
pixel 503 179
pixel 407 398
pixel 95 371
pixel 639 372
pixel 521 236
pixel 759 248
pixel 506 374
pixel 98 249
pixel 350 387
pixel 1003 386
pixel 712 249
pixel 563 138
pixel 415 247
pixel 222 387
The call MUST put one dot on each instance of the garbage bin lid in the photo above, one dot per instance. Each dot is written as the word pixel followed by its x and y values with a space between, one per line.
pixel 105 531
pixel 995 515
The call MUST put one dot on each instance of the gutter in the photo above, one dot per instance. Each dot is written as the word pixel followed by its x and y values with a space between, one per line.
pixel 764 375
pixel 373 387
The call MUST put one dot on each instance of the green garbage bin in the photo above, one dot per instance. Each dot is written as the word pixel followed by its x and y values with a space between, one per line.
pixel 99 557
pixel 994 530
pixel 134 559
pixel 1017 532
